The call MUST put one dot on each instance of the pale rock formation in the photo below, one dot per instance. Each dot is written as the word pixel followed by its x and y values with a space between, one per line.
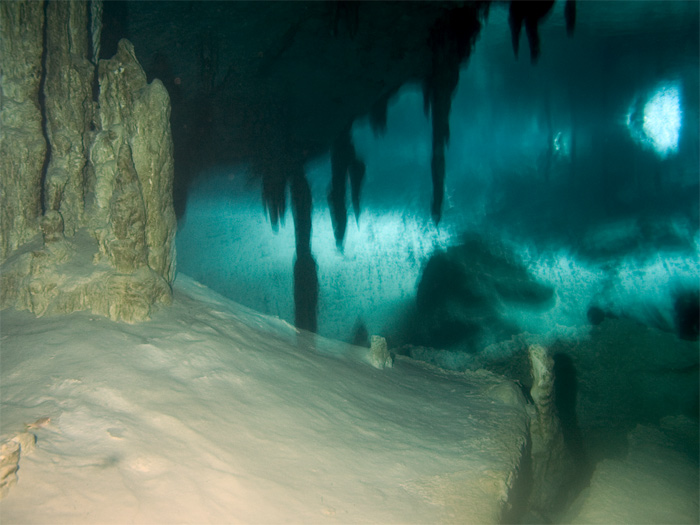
pixel 9 463
pixel 68 110
pixel 379 355
pixel 22 144
pixel 108 228
pixel 10 452
pixel 96 12
pixel 132 160
pixel 552 464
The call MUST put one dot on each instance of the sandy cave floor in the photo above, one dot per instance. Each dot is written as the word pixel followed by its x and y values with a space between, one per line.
pixel 212 413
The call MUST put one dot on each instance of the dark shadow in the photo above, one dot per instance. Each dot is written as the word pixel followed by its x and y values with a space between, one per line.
pixel 305 271
pixel 461 292
pixel 305 293
pixel 565 398
pixel 115 26
pixel 360 334
pixel 519 494
pixel 530 14
pixel 686 310
pixel 451 41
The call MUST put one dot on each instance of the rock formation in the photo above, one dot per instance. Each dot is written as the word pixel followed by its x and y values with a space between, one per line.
pixel 379 355
pixel 451 41
pixel 463 294
pixel 552 464
pixel 68 110
pixel 11 451
pixel 344 164
pixel 22 144
pixel 87 217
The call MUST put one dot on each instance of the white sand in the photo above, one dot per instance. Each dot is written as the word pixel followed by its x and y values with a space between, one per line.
pixel 655 482
pixel 212 413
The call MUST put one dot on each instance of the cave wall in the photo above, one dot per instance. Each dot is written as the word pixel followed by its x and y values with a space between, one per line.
pixel 86 182
pixel 68 110
pixel 22 144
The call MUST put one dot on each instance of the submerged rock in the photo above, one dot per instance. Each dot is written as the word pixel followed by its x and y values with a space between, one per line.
pixel 463 292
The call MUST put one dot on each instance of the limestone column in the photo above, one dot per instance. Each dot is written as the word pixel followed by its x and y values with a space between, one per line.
pixel 133 155
pixel 552 464
pixel 69 108
pixel 22 143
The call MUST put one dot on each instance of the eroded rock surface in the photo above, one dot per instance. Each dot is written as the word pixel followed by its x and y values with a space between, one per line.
pixel 22 144
pixel 105 178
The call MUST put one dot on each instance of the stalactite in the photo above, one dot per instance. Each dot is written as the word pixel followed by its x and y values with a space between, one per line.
pixel 346 13
pixel 344 163
pixel 357 176
pixel 336 195
pixel 305 271
pixel 379 112
pixel 570 16
pixel 451 41
pixel 276 165
pixel 274 196
pixel 208 61
pixel 529 13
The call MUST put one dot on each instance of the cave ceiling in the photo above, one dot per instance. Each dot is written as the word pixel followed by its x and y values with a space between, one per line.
pixel 275 83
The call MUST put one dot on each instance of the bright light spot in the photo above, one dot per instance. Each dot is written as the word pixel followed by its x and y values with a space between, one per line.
pixel 561 144
pixel 662 119
pixel 658 123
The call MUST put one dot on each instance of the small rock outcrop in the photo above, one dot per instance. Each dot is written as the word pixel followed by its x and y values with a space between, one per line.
pixel 379 355
pixel 87 218
pixel 552 463
pixel 10 453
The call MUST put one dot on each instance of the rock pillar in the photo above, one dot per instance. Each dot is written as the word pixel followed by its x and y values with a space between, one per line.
pixel 68 110
pixel 104 240
pixel 552 464
pixel 132 161
pixel 22 144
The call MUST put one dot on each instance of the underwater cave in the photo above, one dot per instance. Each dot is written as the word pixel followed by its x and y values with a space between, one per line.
pixel 498 199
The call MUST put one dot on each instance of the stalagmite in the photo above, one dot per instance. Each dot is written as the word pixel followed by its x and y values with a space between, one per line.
pixel 69 110
pixel 105 242
pixel 552 464
pixel 135 121
pixel 22 143
pixel 379 355
pixel 96 12
pixel 9 464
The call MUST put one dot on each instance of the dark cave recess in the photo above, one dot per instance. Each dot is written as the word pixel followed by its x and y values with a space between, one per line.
pixel 275 84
